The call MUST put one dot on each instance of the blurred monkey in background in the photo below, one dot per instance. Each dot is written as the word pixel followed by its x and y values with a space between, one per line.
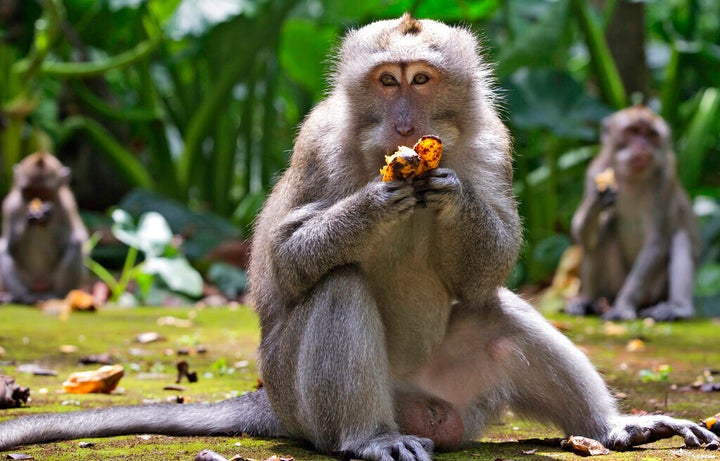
pixel 636 225
pixel 41 248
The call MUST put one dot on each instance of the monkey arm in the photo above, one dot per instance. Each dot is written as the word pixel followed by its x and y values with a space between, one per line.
pixel 312 239
pixel 68 273
pixel 477 231
pixel 630 431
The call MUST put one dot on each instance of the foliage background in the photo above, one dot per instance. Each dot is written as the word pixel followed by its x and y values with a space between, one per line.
pixel 195 103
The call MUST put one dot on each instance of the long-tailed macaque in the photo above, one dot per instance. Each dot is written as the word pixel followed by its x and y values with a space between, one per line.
pixel 385 329
pixel 638 232
pixel 41 252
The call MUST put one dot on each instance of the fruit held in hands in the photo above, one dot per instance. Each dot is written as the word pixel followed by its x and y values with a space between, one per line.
pixel 408 163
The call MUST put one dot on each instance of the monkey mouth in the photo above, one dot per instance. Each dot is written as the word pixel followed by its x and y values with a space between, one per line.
pixel 639 163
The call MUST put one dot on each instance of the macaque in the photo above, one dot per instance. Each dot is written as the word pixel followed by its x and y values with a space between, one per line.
pixel 635 225
pixel 385 330
pixel 41 253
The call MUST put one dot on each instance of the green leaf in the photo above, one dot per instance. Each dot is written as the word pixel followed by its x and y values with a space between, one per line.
pixel 606 72
pixel 696 139
pixel 177 274
pixel 537 42
pixel 303 52
pixel 124 229
pixel 553 100
pixel 707 280
pixel 153 233
pixel 230 280
pixel 196 18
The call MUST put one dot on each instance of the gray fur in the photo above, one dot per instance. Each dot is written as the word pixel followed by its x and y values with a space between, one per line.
pixel 368 290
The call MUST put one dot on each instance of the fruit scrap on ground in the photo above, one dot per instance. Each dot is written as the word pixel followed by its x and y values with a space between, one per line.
pixel 103 380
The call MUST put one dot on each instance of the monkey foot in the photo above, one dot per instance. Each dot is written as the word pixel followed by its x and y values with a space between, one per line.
pixel 394 447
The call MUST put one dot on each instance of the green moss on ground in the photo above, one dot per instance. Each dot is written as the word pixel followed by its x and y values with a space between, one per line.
pixel 230 336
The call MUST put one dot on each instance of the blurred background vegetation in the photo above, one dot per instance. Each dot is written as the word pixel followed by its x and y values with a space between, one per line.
pixel 189 107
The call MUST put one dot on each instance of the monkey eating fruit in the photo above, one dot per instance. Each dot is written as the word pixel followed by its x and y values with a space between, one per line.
pixel 385 329
pixel 41 254
pixel 636 226
pixel 408 163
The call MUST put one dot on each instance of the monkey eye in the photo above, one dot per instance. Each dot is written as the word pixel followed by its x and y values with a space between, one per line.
pixel 420 79
pixel 388 80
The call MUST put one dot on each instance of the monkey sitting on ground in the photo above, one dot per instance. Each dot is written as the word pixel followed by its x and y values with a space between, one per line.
pixel 41 253
pixel 636 225
pixel 384 327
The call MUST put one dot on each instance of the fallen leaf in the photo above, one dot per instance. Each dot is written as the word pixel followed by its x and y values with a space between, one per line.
pixel 614 329
pixel 103 380
pixel 174 322
pixel 712 423
pixel 148 337
pixel 635 345
pixel 585 446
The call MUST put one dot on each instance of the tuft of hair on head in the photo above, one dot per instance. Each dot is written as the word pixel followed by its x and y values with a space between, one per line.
pixel 409 25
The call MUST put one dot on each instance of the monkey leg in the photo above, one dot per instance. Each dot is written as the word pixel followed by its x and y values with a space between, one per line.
pixel 18 291
pixel 602 273
pixel 69 273
pixel 326 372
pixel 679 282
pixel 505 354
pixel 512 357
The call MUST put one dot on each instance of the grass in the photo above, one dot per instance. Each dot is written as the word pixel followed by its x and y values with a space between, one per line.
pixel 228 368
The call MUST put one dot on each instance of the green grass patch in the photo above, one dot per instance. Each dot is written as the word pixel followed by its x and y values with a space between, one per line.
pixel 228 367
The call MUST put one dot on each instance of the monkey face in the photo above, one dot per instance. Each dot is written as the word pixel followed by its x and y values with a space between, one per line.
pixel 640 142
pixel 38 211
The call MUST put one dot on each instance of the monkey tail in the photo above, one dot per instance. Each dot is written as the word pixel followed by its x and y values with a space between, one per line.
pixel 248 414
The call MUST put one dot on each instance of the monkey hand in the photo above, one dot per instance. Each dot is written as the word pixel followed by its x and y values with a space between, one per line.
pixel 394 198
pixel 607 197
pixel 437 188
pixel 630 431
pixel 394 447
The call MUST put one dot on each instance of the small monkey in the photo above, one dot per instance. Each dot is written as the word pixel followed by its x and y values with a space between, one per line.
pixel 41 252
pixel 385 330
pixel 638 233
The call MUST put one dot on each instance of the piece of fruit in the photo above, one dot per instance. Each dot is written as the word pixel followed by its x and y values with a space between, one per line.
pixel 605 180
pixel 408 163
pixel 103 380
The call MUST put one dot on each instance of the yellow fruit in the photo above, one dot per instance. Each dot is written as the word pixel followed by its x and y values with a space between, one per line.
pixel 408 163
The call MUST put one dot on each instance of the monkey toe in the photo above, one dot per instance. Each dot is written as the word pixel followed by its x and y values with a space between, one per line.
pixel 393 447
pixel 667 312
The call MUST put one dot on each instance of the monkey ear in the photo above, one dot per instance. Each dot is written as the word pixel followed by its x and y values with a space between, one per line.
pixel 605 128
pixel 65 175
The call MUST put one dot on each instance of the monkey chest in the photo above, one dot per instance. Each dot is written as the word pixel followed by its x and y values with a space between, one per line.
pixel 634 227
pixel 39 250
pixel 410 292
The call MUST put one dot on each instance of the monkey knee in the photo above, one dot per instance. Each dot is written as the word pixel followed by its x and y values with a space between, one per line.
pixel 432 418
pixel 342 283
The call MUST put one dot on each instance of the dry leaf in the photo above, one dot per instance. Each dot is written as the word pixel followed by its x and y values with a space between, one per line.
pixel 635 345
pixel 585 446
pixel 712 423
pixel 103 380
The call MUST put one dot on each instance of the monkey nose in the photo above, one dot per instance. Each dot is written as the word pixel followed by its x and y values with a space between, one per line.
pixel 404 128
